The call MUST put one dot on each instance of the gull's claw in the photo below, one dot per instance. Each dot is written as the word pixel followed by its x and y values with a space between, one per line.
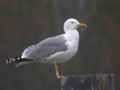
pixel 60 77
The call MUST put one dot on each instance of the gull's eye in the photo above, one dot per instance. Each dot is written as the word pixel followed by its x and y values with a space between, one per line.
pixel 72 22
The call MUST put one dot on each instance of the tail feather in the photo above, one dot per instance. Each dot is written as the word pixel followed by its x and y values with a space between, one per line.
pixel 17 61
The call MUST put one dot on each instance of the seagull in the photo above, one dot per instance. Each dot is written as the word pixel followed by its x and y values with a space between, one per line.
pixel 53 50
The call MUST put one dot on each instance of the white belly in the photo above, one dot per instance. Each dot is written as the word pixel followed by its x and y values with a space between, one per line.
pixel 62 57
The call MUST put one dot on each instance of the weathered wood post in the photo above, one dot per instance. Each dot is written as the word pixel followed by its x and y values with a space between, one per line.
pixel 88 82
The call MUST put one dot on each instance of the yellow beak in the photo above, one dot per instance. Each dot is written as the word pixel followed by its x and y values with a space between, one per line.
pixel 81 25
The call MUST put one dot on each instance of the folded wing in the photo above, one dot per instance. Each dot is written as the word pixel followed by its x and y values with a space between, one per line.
pixel 45 48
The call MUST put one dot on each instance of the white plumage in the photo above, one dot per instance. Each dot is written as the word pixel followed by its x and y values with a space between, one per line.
pixel 65 49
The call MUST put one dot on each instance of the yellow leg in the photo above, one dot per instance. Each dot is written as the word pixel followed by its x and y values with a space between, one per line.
pixel 57 72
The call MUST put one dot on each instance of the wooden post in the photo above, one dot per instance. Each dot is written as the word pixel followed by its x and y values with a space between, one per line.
pixel 88 82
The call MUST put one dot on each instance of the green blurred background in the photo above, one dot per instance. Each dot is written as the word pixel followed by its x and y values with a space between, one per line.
pixel 25 22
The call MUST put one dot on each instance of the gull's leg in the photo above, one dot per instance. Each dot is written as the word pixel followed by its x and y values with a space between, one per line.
pixel 57 72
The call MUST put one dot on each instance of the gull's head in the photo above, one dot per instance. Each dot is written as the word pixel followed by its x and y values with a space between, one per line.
pixel 73 24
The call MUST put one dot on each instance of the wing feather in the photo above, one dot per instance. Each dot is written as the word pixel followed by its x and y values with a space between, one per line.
pixel 45 48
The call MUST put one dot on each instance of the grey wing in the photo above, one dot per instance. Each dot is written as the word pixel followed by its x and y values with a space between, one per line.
pixel 45 48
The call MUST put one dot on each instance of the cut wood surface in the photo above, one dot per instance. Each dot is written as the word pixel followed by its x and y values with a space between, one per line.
pixel 89 82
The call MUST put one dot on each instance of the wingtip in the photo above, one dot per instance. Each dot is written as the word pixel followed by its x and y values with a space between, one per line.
pixel 10 60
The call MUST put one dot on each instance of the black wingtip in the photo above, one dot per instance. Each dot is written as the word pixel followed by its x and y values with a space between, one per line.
pixel 13 60
pixel 17 60
pixel 10 60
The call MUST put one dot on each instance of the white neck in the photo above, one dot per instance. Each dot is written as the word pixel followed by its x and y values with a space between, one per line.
pixel 72 36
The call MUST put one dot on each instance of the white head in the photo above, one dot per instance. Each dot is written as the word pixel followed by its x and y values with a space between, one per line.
pixel 72 24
